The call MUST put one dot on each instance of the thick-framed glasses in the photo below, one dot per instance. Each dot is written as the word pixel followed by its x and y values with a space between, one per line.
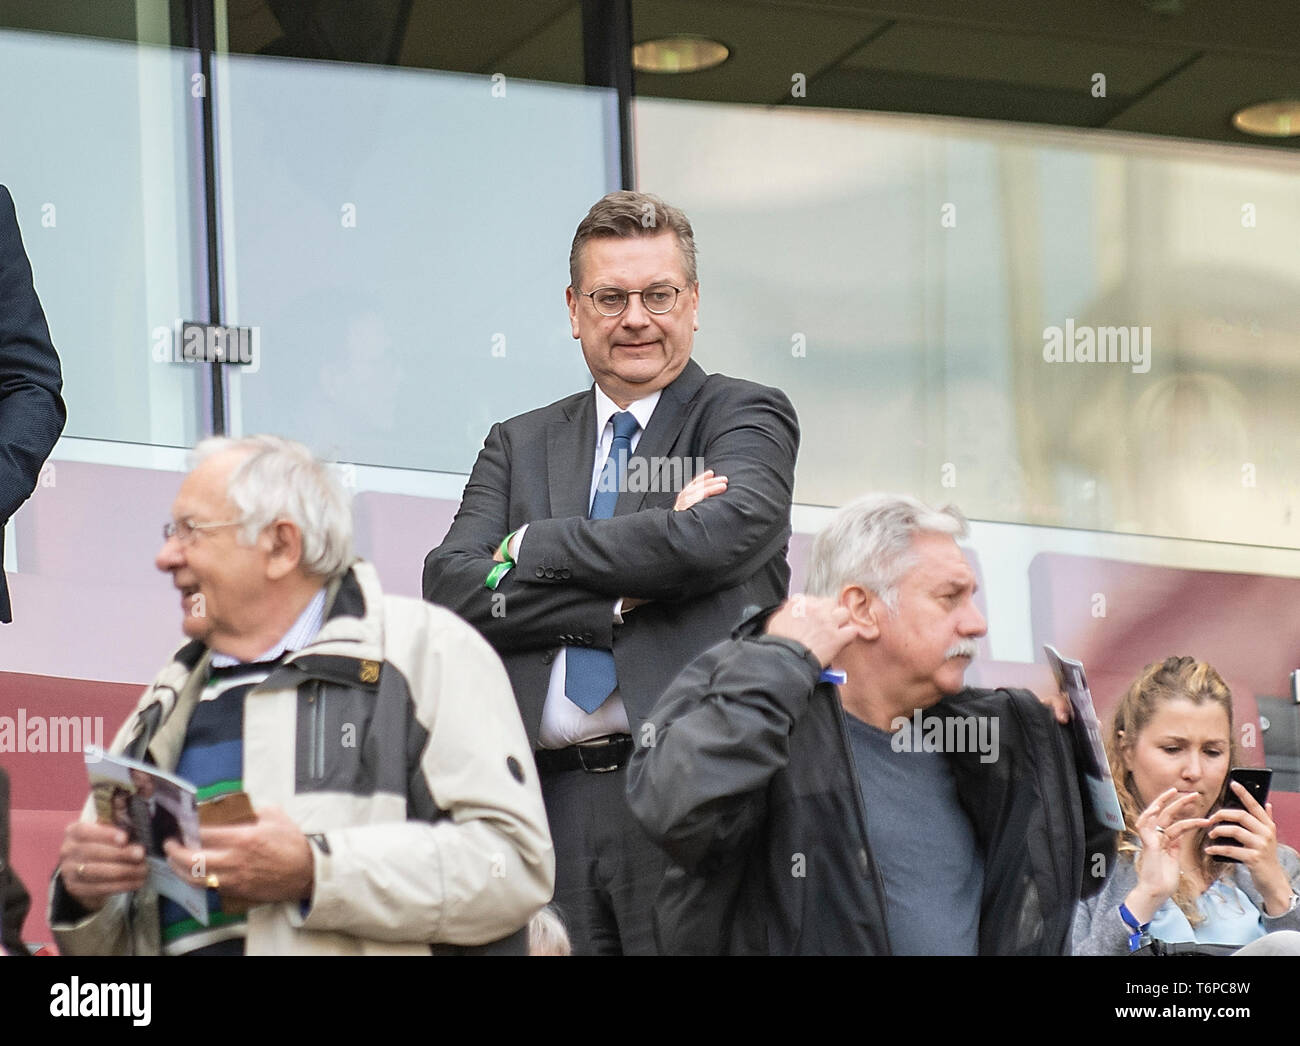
pixel 186 530
pixel 611 301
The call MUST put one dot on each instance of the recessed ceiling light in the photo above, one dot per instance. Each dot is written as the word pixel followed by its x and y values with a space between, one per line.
pixel 679 54
pixel 1279 119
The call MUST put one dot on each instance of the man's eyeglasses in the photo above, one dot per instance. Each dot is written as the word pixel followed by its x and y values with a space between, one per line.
pixel 611 301
pixel 186 530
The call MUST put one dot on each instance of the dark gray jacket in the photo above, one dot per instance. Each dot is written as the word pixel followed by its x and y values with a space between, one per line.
pixel 31 408
pixel 701 568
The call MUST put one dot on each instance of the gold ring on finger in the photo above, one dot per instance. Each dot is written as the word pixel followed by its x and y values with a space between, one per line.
pixel 213 882
pixel 81 871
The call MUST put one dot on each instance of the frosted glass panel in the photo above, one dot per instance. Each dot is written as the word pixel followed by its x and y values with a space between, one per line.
pixel 400 240
pixel 94 149
pixel 1062 328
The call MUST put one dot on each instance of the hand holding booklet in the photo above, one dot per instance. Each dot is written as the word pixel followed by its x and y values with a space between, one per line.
pixel 1087 737
pixel 151 806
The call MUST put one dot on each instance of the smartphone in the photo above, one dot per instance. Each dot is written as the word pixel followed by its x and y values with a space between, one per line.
pixel 1256 781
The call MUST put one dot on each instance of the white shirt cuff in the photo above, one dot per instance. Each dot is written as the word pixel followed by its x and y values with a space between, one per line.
pixel 515 542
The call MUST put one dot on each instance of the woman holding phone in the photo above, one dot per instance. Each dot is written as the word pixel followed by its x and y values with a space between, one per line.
pixel 1170 747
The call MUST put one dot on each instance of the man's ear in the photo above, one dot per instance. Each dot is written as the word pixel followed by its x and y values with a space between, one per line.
pixel 572 300
pixel 285 549
pixel 864 610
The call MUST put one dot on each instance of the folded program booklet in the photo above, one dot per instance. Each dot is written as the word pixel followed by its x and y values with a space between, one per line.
pixel 1087 737
pixel 151 806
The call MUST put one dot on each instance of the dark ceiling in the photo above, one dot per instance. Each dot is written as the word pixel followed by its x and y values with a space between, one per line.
pixel 1178 68
pixel 1171 67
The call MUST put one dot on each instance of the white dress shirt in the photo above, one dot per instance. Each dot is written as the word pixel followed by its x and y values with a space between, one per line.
pixel 563 722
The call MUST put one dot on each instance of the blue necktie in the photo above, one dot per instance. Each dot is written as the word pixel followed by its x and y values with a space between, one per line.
pixel 589 673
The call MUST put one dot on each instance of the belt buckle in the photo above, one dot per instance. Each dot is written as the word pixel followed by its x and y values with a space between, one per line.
pixel 582 758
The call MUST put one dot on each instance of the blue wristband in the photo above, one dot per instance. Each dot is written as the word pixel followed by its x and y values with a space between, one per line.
pixel 1139 929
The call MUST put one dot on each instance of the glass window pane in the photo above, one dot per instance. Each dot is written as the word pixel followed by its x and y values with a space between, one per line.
pixel 399 240
pixel 912 285
pixel 95 150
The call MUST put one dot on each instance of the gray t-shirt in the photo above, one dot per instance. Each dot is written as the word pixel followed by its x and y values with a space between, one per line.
pixel 923 844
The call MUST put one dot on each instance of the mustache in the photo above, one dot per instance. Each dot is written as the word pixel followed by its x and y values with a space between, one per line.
pixel 962 648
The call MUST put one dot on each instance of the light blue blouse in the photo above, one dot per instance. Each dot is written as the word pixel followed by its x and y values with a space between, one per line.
pixel 1230 918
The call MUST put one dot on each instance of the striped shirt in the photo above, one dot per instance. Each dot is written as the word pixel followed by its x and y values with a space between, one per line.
pixel 212 759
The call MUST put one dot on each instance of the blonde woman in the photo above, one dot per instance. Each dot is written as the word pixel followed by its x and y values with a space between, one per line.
pixel 1170 747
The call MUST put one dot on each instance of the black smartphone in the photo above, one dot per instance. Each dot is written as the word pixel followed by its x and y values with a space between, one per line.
pixel 1255 780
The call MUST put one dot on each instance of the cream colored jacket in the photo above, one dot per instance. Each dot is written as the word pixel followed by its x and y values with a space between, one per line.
pixel 432 816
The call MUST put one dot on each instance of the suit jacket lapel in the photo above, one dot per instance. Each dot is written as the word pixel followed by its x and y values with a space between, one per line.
pixel 570 457
pixel 660 435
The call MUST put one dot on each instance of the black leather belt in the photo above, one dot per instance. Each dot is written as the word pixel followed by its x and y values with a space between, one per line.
pixel 597 756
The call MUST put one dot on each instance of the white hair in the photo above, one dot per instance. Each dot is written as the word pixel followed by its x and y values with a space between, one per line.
pixel 282 479
pixel 869 543
pixel 547 934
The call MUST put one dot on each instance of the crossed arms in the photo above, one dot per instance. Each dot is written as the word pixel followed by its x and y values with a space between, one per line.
pixel 571 570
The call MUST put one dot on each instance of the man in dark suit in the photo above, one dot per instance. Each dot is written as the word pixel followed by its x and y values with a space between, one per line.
pixel 14 901
pixel 31 410
pixel 604 541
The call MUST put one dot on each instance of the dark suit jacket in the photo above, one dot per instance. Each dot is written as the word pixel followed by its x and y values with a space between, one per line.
pixel 14 901
pixel 31 410
pixel 702 568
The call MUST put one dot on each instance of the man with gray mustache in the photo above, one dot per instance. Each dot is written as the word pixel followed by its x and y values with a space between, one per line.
pixel 824 783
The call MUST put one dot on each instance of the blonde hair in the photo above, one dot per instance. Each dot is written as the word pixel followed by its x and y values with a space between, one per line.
pixel 1175 677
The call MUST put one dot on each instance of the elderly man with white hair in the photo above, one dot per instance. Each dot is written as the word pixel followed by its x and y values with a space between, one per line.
pixel 396 810
pixel 825 783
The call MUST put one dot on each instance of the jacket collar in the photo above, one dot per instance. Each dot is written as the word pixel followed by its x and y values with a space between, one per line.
pixel 163 722
pixel 348 649
pixel 571 445
pixel 661 434
pixel 753 619
pixel 352 631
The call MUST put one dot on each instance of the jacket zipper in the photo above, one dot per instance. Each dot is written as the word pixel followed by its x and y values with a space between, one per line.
pixel 870 872
pixel 320 735
pixel 316 736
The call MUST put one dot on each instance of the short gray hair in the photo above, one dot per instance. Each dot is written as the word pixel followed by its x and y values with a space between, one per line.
pixel 869 543
pixel 282 479
pixel 624 214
